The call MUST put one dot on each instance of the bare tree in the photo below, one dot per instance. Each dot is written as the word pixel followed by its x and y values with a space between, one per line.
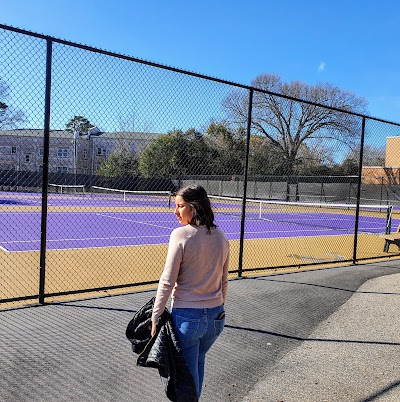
pixel 372 155
pixel 133 123
pixel 288 123
pixel 10 117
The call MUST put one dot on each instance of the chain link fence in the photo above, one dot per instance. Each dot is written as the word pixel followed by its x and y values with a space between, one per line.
pixel 93 144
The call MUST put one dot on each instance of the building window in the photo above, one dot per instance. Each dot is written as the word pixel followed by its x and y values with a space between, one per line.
pixel 41 152
pixel 101 151
pixel 85 154
pixel 62 153
pixel 13 150
pixel 27 157
pixel 62 169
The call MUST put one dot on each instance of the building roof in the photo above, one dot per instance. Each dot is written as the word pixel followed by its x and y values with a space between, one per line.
pixel 129 135
pixel 26 132
pixel 69 134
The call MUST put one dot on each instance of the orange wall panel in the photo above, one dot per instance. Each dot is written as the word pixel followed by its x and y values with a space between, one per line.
pixel 392 152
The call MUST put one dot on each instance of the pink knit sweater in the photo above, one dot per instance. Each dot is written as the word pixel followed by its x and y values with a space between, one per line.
pixel 196 270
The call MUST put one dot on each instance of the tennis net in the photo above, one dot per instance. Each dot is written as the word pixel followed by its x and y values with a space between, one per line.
pixel 66 188
pixel 372 218
pixel 137 198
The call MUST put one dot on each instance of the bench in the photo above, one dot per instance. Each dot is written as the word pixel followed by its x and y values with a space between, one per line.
pixel 391 238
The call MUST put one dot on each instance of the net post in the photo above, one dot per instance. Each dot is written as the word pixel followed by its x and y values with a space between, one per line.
pixel 389 219
pixel 170 194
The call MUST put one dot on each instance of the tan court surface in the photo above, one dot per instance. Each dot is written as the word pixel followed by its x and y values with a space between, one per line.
pixel 77 269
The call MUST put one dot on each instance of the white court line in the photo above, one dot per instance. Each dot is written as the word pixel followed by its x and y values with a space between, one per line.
pixel 131 220
pixel 82 238
pixel 130 245
pixel 20 241
pixel 284 231
pixel 141 245
pixel 91 247
pixel 139 237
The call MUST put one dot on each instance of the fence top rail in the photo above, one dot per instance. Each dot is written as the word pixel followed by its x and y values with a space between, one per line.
pixel 186 72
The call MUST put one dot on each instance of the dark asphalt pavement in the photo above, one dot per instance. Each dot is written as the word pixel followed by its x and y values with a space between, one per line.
pixel 271 345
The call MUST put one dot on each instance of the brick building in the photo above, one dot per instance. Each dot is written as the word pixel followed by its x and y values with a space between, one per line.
pixel 22 149
pixel 390 173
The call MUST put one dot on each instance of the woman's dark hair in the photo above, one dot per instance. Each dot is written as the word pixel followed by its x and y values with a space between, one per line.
pixel 198 199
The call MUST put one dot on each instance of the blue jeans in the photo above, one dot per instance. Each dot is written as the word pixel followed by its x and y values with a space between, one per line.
pixel 196 330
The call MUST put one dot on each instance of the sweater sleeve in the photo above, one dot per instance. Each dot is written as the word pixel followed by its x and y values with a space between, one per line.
pixel 169 275
pixel 225 276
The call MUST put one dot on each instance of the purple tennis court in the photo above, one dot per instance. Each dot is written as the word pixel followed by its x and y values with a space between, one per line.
pixel 130 218
pixel 116 199
pixel 20 231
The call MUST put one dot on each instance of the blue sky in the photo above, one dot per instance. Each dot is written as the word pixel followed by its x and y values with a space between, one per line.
pixel 353 45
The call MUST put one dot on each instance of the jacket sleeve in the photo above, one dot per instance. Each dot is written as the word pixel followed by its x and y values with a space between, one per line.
pixel 169 275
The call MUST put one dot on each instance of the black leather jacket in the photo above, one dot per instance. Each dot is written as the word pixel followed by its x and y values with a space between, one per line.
pixel 162 352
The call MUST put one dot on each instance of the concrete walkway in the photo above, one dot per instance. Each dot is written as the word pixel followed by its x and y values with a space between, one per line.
pixel 353 355
pixel 322 335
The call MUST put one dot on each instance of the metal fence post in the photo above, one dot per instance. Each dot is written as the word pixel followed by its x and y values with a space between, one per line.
pixel 245 178
pixel 358 190
pixel 45 178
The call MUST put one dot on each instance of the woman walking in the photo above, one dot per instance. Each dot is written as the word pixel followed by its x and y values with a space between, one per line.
pixel 196 277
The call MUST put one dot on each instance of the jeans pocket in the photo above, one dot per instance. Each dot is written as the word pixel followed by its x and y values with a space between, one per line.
pixel 186 328
pixel 219 326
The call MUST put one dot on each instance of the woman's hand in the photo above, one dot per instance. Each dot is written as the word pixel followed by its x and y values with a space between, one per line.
pixel 153 328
